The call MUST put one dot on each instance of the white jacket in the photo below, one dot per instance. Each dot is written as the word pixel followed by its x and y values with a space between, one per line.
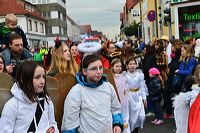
pixel 19 112
pixel 90 109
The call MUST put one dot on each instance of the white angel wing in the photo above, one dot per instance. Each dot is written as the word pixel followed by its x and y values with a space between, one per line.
pixel 181 112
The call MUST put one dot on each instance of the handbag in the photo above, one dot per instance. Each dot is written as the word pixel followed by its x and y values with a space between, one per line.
pixel 177 81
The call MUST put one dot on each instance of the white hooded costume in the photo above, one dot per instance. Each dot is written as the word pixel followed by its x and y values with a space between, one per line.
pixel 19 111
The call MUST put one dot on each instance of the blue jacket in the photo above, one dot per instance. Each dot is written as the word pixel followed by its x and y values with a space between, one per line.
pixel 187 68
pixel 154 89
pixel 6 54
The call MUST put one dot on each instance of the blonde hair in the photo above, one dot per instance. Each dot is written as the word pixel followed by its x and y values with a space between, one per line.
pixel 60 64
pixel 189 52
pixel 11 18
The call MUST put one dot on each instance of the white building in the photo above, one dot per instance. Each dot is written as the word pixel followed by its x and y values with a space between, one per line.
pixel 55 13
pixel 73 30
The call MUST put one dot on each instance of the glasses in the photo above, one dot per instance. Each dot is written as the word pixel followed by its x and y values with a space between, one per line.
pixel 112 48
pixel 95 69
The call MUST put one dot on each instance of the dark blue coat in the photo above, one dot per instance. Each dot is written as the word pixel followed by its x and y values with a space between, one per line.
pixel 154 88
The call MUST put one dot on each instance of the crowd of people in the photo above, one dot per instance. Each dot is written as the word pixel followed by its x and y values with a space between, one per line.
pixel 144 76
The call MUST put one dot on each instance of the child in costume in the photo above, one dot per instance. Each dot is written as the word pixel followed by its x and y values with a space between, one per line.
pixel 138 91
pixel 92 106
pixel 186 108
pixel 120 80
pixel 155 96
pixel 30 109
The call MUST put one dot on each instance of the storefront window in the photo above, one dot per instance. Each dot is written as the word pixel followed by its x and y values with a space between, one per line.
pixel 189 22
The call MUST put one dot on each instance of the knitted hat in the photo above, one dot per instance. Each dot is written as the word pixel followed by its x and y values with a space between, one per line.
pixel 154 71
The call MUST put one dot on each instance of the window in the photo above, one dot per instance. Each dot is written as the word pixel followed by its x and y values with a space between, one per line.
pixel 29 25
pixel 46 14
pixel 36 28
pixel 39 1
pixel 61 30
pixel 55 30
pixel 54 14
pixel 48 30
pixel 61 16
pixel 41 27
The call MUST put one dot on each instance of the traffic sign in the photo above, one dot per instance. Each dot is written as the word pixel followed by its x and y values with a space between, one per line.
pixel 151 16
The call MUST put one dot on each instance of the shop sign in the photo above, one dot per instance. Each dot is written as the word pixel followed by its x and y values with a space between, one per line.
pixel 178 1
pixel 189 21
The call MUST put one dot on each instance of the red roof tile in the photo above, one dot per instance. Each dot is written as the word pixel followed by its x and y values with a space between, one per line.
pixel 11 6
pixel 131 3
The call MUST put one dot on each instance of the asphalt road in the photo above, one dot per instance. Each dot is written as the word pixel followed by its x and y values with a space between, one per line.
pixel 167 127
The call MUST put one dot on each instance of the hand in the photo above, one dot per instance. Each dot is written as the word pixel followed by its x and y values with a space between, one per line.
pixel 50 130
pixel 176 71
pixel 3 46
pixel 9 68
pixel 117 129
pixel 145 103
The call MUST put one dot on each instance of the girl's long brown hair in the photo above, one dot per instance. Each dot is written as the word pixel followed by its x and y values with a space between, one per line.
pixel 59 63
pixel 24 80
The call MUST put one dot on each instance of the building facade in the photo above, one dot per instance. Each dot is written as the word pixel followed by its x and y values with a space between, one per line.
pixel 55 13
pixel 73 30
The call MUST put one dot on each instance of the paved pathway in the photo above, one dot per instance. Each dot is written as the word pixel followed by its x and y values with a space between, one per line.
pixel 167 127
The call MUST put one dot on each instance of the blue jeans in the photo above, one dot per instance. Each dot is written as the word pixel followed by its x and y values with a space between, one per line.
pixel 157 110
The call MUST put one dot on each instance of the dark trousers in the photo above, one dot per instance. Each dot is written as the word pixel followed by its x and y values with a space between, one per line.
pixel 168 101
pixel 149 105
pixel 136 130
pixel 157 110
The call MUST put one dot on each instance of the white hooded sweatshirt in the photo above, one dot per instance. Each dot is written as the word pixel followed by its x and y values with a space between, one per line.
pixel 19 111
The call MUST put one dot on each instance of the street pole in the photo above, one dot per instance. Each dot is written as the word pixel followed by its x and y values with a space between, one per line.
pixel 169 30
pixel 155 2
pixel 141 25
pixel 169 23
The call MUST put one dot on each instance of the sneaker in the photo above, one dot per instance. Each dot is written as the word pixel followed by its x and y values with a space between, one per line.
pixel 159 122
pixel 154 121
pixel 149 114
pixel 168 116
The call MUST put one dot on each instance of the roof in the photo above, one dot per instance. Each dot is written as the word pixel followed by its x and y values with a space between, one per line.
pixel 131 3
pixel 71 20
pixel 17 9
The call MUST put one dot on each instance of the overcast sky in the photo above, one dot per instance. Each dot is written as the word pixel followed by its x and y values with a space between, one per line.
pixel 103 15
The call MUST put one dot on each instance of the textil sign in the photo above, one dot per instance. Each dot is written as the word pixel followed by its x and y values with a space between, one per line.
pixel 189 21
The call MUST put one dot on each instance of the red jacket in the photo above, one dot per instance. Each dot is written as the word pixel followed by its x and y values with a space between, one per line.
pixel 194 117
